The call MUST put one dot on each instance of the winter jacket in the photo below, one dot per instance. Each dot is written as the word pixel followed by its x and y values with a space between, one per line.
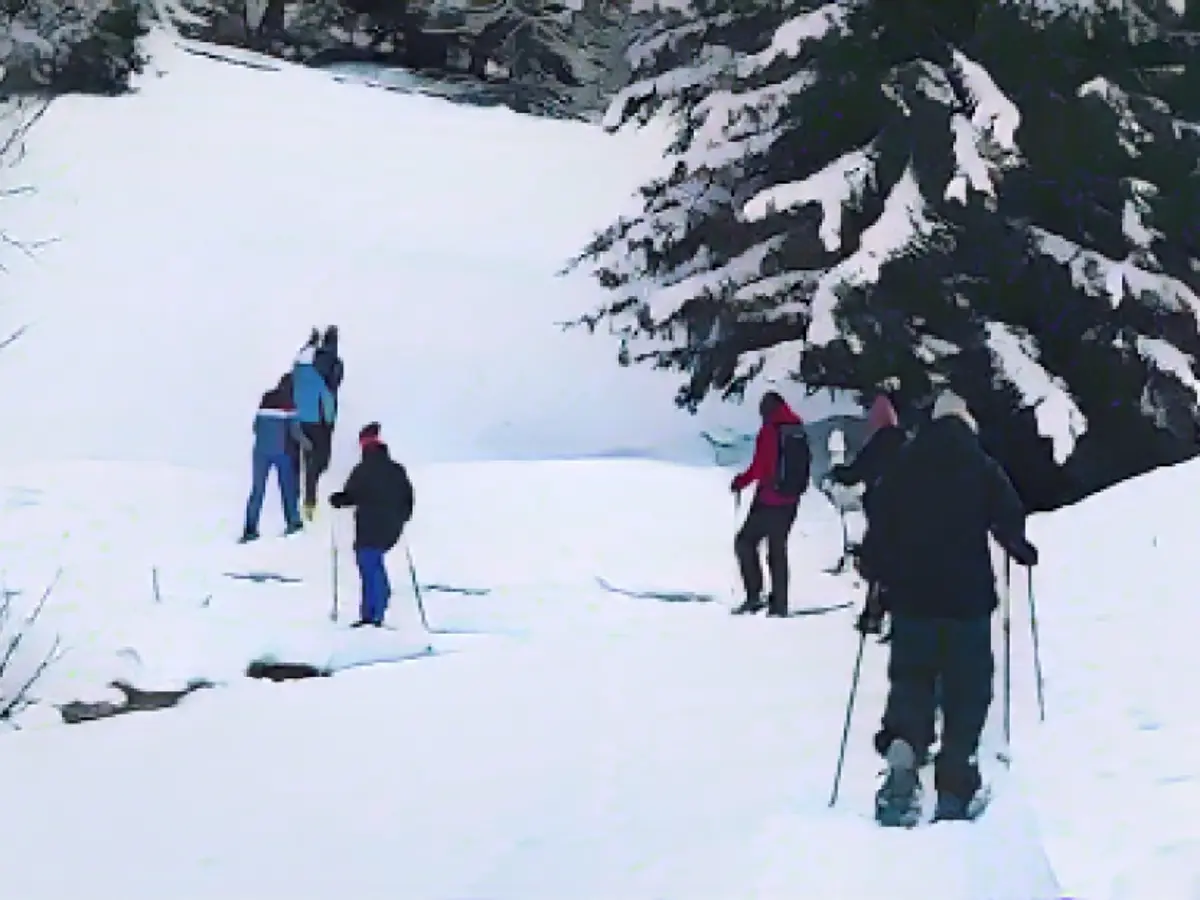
pixel 276 428
pixel 314 400
pixel 871 463
pixel 382 495
pixel 762 466
pixel 329 365
pixel 869 468
pixel 930 522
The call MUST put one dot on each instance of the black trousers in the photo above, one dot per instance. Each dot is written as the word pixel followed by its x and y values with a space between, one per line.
pixel 958 653
pixel 772 524
pixel 316 458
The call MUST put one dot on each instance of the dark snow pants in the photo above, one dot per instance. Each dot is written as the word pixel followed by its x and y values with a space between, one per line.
pixel 959 653
pixel 261 466
pixel 376 589
pixel 316 458
pixel 772 524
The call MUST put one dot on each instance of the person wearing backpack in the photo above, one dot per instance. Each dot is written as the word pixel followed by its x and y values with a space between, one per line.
pixel 316 409
pixel 781 464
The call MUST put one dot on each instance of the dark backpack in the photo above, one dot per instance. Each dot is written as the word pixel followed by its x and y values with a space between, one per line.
pixel 793 461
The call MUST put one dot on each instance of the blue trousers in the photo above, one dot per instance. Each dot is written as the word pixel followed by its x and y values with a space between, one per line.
pixel 285 472
pixel 376 589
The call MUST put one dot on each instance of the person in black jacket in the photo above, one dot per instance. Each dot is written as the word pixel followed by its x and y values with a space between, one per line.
pixel 932 515
pixel 885 437
pixel 382 496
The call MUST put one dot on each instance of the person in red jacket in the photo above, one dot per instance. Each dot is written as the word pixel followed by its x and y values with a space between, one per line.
pixel 776 501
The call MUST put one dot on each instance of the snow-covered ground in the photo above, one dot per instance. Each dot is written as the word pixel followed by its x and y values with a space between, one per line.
pixel 559 741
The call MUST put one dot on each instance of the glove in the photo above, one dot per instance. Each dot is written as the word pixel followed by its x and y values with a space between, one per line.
pixel 338 500
pixel 869 621
pixel 1024 553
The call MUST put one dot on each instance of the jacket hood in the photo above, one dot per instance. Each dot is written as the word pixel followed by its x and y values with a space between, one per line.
pixel 784 415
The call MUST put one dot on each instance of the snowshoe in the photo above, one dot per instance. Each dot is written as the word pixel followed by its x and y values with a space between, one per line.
pixel 951 808
pixel 752 605
pixel 898 800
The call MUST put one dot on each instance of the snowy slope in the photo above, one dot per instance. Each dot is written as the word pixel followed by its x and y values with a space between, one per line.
pixel 561 741
pixel 214 217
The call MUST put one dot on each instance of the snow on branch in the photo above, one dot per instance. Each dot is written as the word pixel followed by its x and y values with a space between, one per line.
pixel 1058 416
pixel 734 123
pixel 899 228
pixel 1168 358
pixel 710 63
pixel 986 142
pixel 666 302
pixel 643 50
pixel 790 37
pixel 1097 275
pixel 839 184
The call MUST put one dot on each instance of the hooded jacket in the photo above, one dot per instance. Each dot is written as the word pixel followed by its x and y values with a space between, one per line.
pixel 766 452
pixel 931 518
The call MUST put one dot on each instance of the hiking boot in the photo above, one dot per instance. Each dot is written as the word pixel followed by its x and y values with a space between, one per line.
pixel 898 800
pixel 752 605
pixel 952 808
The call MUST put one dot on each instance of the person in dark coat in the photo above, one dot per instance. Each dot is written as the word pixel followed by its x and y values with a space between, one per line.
pixel 316 410
pixel 885 437
pixel 382 496
pixel 932 515
pixel 771 514
pixel 328 363
pixel 278 439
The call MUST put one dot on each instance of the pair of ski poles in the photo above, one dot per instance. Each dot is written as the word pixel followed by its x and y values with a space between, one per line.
pixel 1006 614
pixel 412 574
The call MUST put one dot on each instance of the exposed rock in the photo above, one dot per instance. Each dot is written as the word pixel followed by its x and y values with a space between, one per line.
pixel 136 700
pixel 284 671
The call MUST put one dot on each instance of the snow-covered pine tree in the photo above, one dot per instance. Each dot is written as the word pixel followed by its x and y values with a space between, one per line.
pixel 984 193
pixel 90 46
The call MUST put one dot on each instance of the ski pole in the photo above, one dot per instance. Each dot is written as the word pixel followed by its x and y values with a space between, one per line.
pixel 412 573
pixel 1007 620
pixel 837 775
pixel 1037 651
pixel 333 549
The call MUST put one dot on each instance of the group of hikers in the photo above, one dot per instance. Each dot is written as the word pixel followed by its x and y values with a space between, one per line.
pixel 293 436
pixel 930 503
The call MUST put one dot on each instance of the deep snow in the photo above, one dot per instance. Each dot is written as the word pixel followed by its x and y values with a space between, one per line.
pixel 561 741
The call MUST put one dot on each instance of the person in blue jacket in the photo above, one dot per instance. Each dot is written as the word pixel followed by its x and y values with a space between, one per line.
pixel 277 439
pixel 316 410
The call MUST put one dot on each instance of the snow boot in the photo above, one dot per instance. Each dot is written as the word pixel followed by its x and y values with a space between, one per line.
pixel 248 536
pixel 951 808
pixel 293 528
pixel 361 623
pixel 310 510
pixel 898 800
pixel 752 605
